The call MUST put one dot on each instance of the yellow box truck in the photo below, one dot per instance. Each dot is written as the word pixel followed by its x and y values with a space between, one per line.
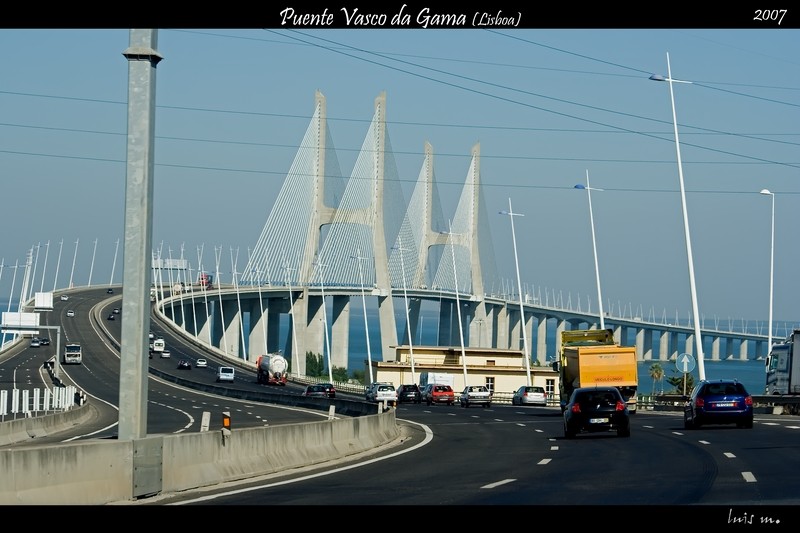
pixel 591 357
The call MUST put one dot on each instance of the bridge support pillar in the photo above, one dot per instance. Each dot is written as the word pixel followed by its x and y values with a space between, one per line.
pixel 743 350
pixel 640 343
pixel 715 348
pixel 340 331
pixel 541 339
pixel 257 335
pixel 232 329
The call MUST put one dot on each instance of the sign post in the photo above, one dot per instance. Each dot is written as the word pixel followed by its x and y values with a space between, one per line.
pixel 684 363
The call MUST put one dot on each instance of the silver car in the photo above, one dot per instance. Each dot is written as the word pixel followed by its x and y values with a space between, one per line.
pixel 530 395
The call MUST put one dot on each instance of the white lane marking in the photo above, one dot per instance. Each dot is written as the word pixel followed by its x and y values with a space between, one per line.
pixel 749 477
pixel 554 448
pixel 729 455
pixel 703 442
pixel 544 461
pixel 498 483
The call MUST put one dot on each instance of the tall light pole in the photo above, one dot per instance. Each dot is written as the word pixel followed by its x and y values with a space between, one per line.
pixel 243 350
pixel 511 214
pixel 91 268
pixel 44 268
pixel 366 322
pixel 697 339
pixel 74 256
pixel 205 289
pixel 594 246
pixel 35 264
pixel 114 264
pixel 58 264
pixel 11 294
pixel 325 321
pixel 408 317
pixel 217 256
pixel 771 267
pixel 458 302
pixel 286 271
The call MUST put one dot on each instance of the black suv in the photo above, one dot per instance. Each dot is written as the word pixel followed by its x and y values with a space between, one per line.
pixel 718 401
pixel 409 393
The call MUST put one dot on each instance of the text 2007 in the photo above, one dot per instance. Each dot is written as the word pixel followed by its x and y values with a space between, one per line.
pixel 770 15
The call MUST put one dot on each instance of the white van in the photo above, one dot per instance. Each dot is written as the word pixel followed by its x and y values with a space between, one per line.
pixel 225 373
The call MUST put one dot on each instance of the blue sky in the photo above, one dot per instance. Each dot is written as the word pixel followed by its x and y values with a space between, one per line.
pixel 546 105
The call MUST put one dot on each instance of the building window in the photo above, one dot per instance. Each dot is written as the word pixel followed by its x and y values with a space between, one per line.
pixel 490 362
pixel 490 384
pixel 550 388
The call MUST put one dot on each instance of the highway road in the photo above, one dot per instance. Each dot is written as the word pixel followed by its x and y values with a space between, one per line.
pixel 462 458
pixel 171 408
pixel 507 455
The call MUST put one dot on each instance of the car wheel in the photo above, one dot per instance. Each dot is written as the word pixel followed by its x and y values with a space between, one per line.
pixel 687 421
pixel 567 433
pixel 624 432
pixel 428 402
pixel 464 404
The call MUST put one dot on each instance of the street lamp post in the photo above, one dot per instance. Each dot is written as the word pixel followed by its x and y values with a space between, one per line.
pixel 91 268
pixel 405 298
pixel 44 268
pixel 74 256
pixel 594 246
pixel 325 321
pixel 771 267
pixel 58 264
pixel 288 282
pixel 364 307
pixel 458 302
pixel 511 214
pixel 114 264
pixel 697 338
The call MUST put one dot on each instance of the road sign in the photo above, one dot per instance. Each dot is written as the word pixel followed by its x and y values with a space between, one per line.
pixel 685 363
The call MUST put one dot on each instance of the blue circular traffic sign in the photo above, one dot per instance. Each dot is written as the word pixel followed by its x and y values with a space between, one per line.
pixel 684 363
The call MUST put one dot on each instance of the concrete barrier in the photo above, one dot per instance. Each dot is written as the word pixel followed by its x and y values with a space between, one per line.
pixel 108 471
pixel 29 429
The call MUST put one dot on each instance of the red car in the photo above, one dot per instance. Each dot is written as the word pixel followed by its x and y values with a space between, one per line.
pixel 435 393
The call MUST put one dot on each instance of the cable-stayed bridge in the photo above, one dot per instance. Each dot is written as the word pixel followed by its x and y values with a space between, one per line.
pixel 329 238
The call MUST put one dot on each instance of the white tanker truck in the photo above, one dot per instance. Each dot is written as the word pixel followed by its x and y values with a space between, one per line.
pixel 272 369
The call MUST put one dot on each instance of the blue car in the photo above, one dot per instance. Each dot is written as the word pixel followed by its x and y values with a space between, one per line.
pixel 719 401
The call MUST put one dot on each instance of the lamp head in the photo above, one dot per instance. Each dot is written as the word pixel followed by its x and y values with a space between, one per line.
pixel 766 191
pixel 580 186
pixel 658 77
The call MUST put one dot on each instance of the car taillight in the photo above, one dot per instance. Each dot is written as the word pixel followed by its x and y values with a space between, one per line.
pixel 576 408
pixel 699 402
pixel 620 406
pixel 748 400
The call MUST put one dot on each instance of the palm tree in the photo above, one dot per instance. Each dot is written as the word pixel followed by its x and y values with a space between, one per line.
pixel 657 373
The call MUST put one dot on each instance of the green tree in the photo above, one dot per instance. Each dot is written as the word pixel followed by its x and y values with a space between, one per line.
pixel 339 374
pixel 315 366
pixel 657 373
pixel 358 375
pixel 677 382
